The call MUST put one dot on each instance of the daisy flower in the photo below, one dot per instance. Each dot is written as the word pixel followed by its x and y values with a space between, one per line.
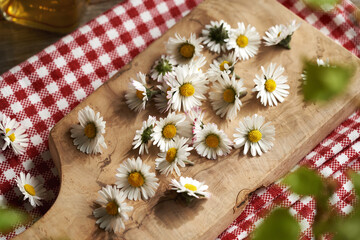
pixel 135 179
pixel 162 66
pixel 188 88
pixel 215 35
pixel 271 85
pixel 113 211
pixel 225 63
pixel 182 49
pixel 196 64
pixel 211 142
pixel 280 34
pixel 143 136
pixel 13 135
pixel 190 187
pixel 244 41
pixel 88 135
pixel 196 116
pixel 275 34
pixel 31 188
pixel 138 94
pixel 176 154
pixel 254 134
pixel 225 100
pixel 166 129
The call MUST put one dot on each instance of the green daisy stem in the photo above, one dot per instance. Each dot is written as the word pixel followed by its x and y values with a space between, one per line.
pixel 285 43
pixel 150 93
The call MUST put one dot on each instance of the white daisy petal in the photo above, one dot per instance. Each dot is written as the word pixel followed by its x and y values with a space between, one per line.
pixel 166 129
pixel 135 179
pixel 136 96
pixel 225 99
pixel 31 188
pixel 255 135
pixel 215 35
pixel 188 87
pixel 190 187
pixel 161 67
pixel 113 211
pixel 245 41
pixel 88 136
pixel 271 85
pixel 224 63
pixel 211 142
pixel 184 50
pixel 143 136
pixel 177 153
pixel 13 135
pixel 280 34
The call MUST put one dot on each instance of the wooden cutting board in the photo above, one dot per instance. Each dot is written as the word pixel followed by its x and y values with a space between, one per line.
pixel 299 128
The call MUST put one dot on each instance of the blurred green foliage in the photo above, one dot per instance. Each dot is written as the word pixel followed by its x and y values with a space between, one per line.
pixel 325 5
pixel 278 225
pixel 10 218
pixel 323 83
pixel 303 181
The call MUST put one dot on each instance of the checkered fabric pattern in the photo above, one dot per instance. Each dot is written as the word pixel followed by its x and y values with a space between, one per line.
pixel 43 89
pixel 332 158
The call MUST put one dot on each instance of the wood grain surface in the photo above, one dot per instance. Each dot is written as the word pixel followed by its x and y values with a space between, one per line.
pixel 299 128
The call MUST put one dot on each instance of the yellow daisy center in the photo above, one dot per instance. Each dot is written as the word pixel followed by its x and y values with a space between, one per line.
pixel 187 90
pixel 171 154
pixel 169 131
pixel 212 141
pixel 270 85
pixel 30 189
pixel 242 41
pixel 12 136
pixel 222 65
pixel 190 187
pixel 254 136
pixel 139 94
pixel 135 179
pixel 90 130
pixel 187 50
pixel 229 95
pixel 112 208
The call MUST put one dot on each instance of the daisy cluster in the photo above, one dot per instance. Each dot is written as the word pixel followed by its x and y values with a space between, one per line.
pixel 13 135
pixel 178 85
pixel 177 82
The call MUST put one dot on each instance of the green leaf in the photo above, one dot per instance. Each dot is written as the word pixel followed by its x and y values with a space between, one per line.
pixel 349 229
pixel 325 82
pixel 278 225
pixel 325 5
pixel 10 217
pixel 304 181
pixel 355 178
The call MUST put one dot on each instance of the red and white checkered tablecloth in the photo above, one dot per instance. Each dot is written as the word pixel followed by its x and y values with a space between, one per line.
pixel 43 89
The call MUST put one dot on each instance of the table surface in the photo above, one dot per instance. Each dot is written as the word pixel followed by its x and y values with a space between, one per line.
pixel 19 42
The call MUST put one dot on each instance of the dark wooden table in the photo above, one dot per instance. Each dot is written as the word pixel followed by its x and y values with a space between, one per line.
pixel 18 43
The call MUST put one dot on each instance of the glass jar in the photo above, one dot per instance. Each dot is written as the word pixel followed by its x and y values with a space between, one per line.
pixel 60 16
